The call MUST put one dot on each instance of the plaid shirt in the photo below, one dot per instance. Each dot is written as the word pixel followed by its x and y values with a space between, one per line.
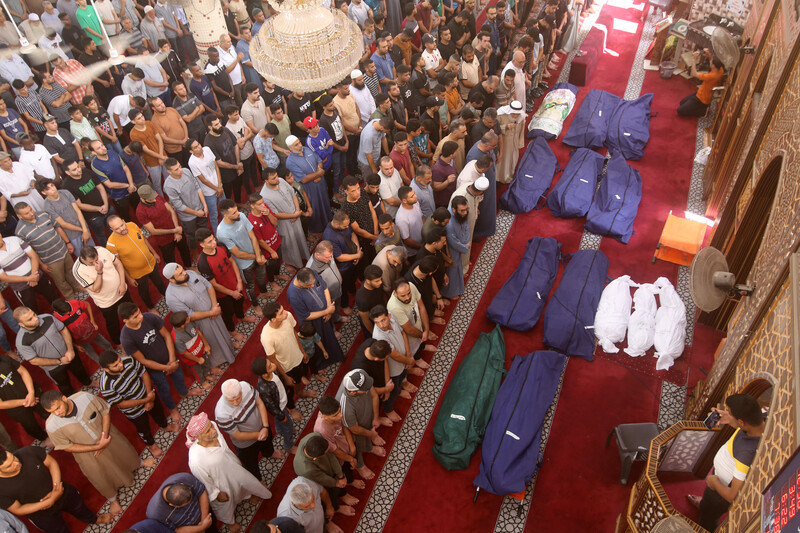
pixel 64 78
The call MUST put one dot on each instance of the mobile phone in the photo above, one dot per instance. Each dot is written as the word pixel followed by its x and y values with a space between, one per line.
pixel 712 419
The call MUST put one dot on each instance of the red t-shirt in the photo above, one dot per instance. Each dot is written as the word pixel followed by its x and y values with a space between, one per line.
pixel 160 218
pixel 218 267
pixel 264 230
pixel 78 322
pixel 402 161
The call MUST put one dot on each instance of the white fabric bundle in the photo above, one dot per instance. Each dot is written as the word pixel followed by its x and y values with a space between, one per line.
pixel 642 324
pixel 613 313
pixel 670 337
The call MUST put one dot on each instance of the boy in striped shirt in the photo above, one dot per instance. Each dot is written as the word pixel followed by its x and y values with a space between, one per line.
pixel 124 383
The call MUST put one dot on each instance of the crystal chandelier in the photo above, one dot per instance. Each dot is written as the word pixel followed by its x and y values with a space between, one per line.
pixel 306 47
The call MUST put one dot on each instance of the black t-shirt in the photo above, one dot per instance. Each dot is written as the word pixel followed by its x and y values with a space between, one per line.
pixel 376 369
pixel 456 30
pixel 333 125
pixel 31 484
pixel 73 37
pixel 223 146
pixel 405 92
pixel 90 59
pixel 488 99
pixel 147 339
pixel 11 385
pixel 63 147
pixel 220 76
pixel 273 97
pixel 447 49
pixel 439 274
pixel 298 110
pixel 367 299
pixel 425 288
pixel 85 190
pixel 419 81
pixel 398 110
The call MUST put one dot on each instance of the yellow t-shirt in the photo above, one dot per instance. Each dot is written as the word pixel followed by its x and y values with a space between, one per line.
pixel 132 250
pixel 283 343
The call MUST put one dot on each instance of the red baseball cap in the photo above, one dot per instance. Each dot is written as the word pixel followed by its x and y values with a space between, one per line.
pixel 310 122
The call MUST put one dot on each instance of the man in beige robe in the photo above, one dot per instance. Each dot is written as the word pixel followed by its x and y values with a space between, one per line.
pixel 511 119
pixel 473 192
pixel 81 424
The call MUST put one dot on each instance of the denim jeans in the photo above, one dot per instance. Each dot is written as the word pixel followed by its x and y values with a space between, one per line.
pixel 157 176
pixel 213 212
pixel 286 429
pixel 254 274
pixel 162 385
pixel 338 165
pixel 78 243
pixel 8 318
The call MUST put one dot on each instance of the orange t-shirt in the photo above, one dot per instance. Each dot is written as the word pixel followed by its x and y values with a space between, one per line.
pixel 148 139
pixel 710 80
pixel 452 97
pixel 169 124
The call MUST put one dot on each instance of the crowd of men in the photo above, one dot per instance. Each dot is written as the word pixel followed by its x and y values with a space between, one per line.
pixel 205 184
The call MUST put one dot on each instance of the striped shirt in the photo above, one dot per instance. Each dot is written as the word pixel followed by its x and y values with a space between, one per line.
pixel 243 417
pixel 31 104
pixel 43 237
pixel 49 96
pixel 127 385
pixel 14 260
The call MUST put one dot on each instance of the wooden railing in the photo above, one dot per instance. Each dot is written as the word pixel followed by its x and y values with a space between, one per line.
pixel 648 503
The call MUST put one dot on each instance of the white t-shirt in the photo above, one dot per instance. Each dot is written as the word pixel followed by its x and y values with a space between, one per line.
pixel 388 189
pixel 229 58
pixel 431 59
pixel 239 129
pixel 120 105
pixel 207 168
pixel 17 181
pixel 38 161
pixel 282 400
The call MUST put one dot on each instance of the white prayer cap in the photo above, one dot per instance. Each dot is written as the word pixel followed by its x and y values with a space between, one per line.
pixel 516 106
pixel 169 270
pixel 231 388
pixel 33 16
pixel 481 183
pixel 290 140
pixel 356 74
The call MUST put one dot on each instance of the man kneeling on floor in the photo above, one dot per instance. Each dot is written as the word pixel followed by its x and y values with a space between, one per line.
pixel 733 460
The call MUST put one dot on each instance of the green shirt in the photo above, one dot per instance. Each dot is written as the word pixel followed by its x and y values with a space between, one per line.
pixel 87 18
pixel 325 470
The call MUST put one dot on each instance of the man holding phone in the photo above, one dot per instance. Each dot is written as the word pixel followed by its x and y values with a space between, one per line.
pixel 732 461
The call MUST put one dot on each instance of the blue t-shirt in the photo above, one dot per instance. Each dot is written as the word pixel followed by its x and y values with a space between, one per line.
pixel 202 89
pixel 338 238
pixel 384 66
pixel 319 145
pixel 12 124
pixel 134 164
pixel 111 170
pixel 238 235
